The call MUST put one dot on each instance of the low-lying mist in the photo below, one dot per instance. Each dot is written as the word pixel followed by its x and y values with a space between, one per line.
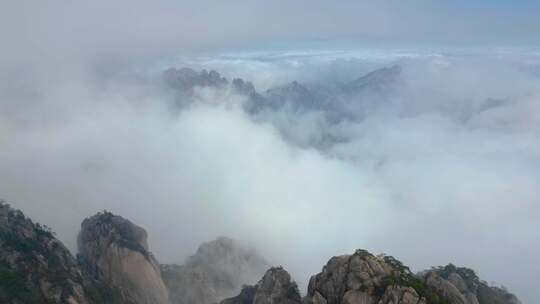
pixel 445 170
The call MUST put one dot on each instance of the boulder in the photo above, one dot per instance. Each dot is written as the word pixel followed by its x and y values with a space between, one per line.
pixel 116 251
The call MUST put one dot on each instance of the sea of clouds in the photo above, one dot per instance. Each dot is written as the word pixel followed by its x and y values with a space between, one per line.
pixel 447 170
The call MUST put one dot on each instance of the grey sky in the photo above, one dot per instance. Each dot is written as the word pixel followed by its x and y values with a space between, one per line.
pixel 62 28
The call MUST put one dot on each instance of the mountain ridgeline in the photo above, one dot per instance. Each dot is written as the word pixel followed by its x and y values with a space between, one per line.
pixel 329 104
pixel 349 100
pixel 115 265
pixel 327 107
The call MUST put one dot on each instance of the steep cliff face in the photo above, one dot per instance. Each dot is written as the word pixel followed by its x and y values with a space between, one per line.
pixel 116 252
pixel 276 287
pixel 217 270
pixel 36 268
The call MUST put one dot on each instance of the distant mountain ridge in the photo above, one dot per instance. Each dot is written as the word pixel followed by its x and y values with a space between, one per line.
pixel 330 105
pixel 292 96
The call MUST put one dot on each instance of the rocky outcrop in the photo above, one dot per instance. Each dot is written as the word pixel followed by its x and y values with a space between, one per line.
pixel 276 287
pixel 115 266
pixel 462 285
pixel 217 271
pixel 35 267
pixel 362 278
pixel 116 251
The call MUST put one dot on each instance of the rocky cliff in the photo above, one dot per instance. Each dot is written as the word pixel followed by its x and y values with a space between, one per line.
pixel 462 285
pixel 35 267
pixel 362 278
pixel 116 252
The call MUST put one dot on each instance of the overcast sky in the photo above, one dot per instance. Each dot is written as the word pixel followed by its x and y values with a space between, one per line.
pixel 59 28
pixel 83 128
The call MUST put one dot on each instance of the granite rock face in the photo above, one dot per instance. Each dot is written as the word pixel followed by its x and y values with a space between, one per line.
pixel 216 271
pixel 362 278
pixel 116 252
pixel 276 287
pixel 462 285
pixel 35 267
pixel 401 295
pixel 359 278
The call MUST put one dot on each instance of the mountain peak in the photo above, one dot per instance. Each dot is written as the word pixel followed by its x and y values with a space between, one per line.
pixel 116 251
